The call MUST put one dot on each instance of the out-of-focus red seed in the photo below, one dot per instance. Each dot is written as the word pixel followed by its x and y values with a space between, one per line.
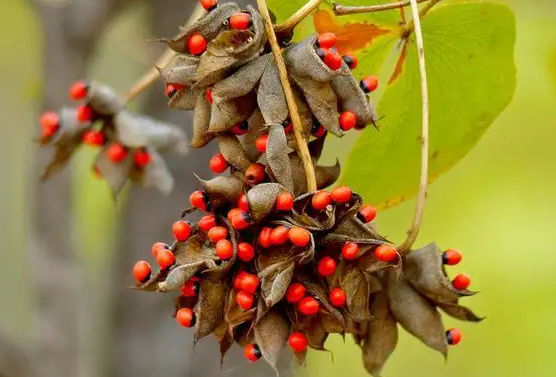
pixel 243 203
pixel 326 266
pixel 461 282
pixel 78 90
pixel 350 250
pixel 451 257
pixel 308 306
pixel 165 259
pixel 351 61
pixel 142 271
pixel 208 96
pixel 245 299
pixel 341 194
pixel 386 253
pixel 284 201
pixel 245 252
pixel 348 120
pixel 265 237
pixel 288 125
pixel 295 292
pixel 181 230
pixel 367 213
pixel 84 114
pixel 142 158
pixel 93 138
pixel 197 44
pixel 321 200
pixel 261 143
pixel 279 235
pixel 207 223
pixel 299 236
pixel 186 317
pixel 50 123
pixel 224 249
pixel 337 297
pixel 116 152
pixel 217 233
pixel 369 84
pixel 240 128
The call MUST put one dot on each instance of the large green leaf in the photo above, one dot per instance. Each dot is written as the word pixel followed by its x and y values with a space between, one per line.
pixel 471 75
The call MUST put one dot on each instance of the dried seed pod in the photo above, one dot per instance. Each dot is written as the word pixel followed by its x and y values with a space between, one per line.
pixel 157 174
pixel 226 115
pixel 115 174
pixel 242 81
pixel 223 189
pixel 212 300
pixel 271 334
pixel 303 61
pixel 185 99
pixel 233 152
pixel 201 123
pixel 460 312
pixel 275 280
pixel 235 315
pixel 256 129
pixel 327 175
pixel 357 289
pixel 262 198
pixel 103 100
pixel 277 156
pixel 270 96
pixel 180 70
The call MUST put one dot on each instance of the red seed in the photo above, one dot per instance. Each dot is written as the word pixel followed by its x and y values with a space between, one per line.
pixel 232 213
pixel 295 292
pixel 326 266
pixel 350 251
pixel 141 158
pixel 165 259
pixel 326 40
pixel 255 174
pixel 240 128
pixel 181 230
pixel 351 61
pixel 185 317
pixel 157 247
pixel 93 138
pixel 299 236
pixel 84 114
pixel 198 199
pixel 318 130
pixel 78 90
pixel 333 61
pixel 249 283
pixel 243 203
pixel 50 123
pixel 367 213
pixel 191 287
pixel 451 257
pixel 208 96
pixel 288 126
pixel 369 84
pixel 341 194
pixel 261 143
pixel 321 200
pixel 240 21
pixel 461 282
pixel 241 220
pixel 238 278
pixel 218 163
pixel 337 297
pixel 217 233
pixel 386 253
pixel 245 252
pixel 298 342
pixel 208 4
pixel 245 299
pixel 265 237
pixel 453 337
pixel 116 152
pixel 308 306
pixel 170 90
pixel 279 235
pixel 142 271
pixel 348 120
pixel 284 201
pixel 197 44
pixel 252 352
pixel 224 249
pixel 207 223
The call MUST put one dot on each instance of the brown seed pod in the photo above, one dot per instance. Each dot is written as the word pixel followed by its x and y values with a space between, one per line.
pixel 358 292
pixel 327 175
pixel 226 115
pixel 270 96
pixel 271 335
pixel 277 156
pixel 201 123
pixel 233 152
pixel 185 99
pixel 303 61
pixel 460 312
pixel 180 70
pixel 262 199
pixel 115 174
pixel 235 315
pixel 257 38
pixel 212 299
pixel 256 129
pixel 103 99
pixel 223 189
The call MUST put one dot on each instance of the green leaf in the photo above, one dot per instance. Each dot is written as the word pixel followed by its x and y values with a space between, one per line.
pixel 469 52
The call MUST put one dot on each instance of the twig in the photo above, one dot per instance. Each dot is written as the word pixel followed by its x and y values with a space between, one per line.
pixel 290 99
pixel 341 10
pixel 299 16
pixel 422 196
pixel 150 77
pixel 411 24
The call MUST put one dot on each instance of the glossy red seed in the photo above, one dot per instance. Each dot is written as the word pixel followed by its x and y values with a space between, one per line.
pixel 218 163
pixel 207 223
pixel 238 278
pixel 308 306
pixel 50 123
pixel 326 266
pixel 367 213
pixel 224 249
pixel 249 283
pixel 351 61
pixel 245 252
pixel 298 342
pixel 116 152
pixel 93 138
pixel 369 84
pixel 170 91
pixel 232 213
pixel 197 44
pixel 318 130
pixel 321 200
pixel 241 220
pixel 288 125
pixel 326 40
pixel 279 235
pixel 337 297
pixel 348 120
pixel 185 317
pixel 84 114
pixel 245 299
pixel 209 4
pixel 142 271
pixel 243 203
pixel 190 288
pixel 264 237
pixel 141 158
pixel 255 174
pixel 240 128
pixel 284 201
pixel 165 259
pixel 461 282
pixel 453 337
pixel 341 194
pixel 157 247
pixel 208 96
pixel 451 257
pixel 261 143
pixel 350 250
pixel 181 230
pixel 78 90
pixel 198 199
pixel 252 352
pixel 217 233
pixel 333 61
pixel 295 292
pixel 240 21
pixel 386 253
pixel 299 236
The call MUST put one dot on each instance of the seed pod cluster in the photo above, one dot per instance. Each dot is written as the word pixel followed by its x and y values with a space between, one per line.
pixel 130 144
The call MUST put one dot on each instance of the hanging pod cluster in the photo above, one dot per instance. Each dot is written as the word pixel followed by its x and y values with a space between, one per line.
pixel 271 265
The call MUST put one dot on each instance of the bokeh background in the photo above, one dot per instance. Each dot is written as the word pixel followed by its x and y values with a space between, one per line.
pixel 66 248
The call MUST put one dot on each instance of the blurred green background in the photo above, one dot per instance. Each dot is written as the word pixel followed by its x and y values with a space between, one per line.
pixel 498 205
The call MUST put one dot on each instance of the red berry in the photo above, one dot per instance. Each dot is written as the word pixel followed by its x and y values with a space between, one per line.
pixel 199 199
pixel 208 96
pixel 333 61
pixel 351 61
pixel 320 200
pixel 141 158
pixel 326 266
pixel 318 130
pixel 299 236
pixel 288 125
pixel 295 292
pixel 350 251
pixel 337 297
pixel 284 201
pixel 245 252
pixel 165 259
pixel 240 128
pixel 451 257
pixel 142 271
pixel 185 317
pixel 279 235
pixel 261 143
pixel 348 120
pixel 255 174
pixel 238 278
pixel 190 288
pixel 243 203
pixel 116 152
pixel 172 89
pixel 249 283
pixel 461 282
pixel 209 4
pixel 341 194
pixel 217 233
pixel 245 299
pixel 369 83
pixel 298 342
pixel 453 337
pixel 218 163
pixel 224 249
pixel 78 90
pixel 232 213
pixel 197 44
pixel 84 114
pixel 157 247
pixel 207 223
pixel 181 230
pixel 240 21
pixel 93 138
pixel 367 213
pixel 326 40
pixel 241 220
pixel 308 306
pixel 265 237
pixel 252 352
pixel 386 253
pixel 50 123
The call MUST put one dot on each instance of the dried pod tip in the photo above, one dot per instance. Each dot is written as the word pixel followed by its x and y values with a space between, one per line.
pixel 252 352
pixel 261 143
pixel 78 90
pixel 298 342
pixel 241 220
pixel 337 297
pixel 200 200
pixel 240 21
pixel 326 266
pixel 385 253
pixel 197 44
pixel 245 300
pixel 206 223
pixel 326 40
pixel 321 200
pixel 348 120
pixel 308 306
pixel 142 271
pixel 218 163
pixel 245 252
pixel 243 203
pixel 461 282
pixel 351 61
pixel 224 249
pixel 142 158
pixel 217 233
pixel 158 246
pixel 367 213
pixel 186 317
pixel 317 130
pixel 299 236
pixel 279 235
pixel 181 230
pixel 116 152
pixel 284 201
pixel 265 237
pixel 208 96
pixel 369 83
pixel 93 138
pixel 84 114
pixel 240 128
pixel 165 259
pixel 295 292
pixel 191 287
pixel 451 257
pixel 350 251
pixel 50 123
pixel 341 194
pixel 255 174
pixel 208 4
pixel 453 337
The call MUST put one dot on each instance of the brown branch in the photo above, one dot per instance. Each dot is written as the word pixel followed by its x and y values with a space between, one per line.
pixel 299 16
pixel 341 10
pixel 290 99
pixel 422 196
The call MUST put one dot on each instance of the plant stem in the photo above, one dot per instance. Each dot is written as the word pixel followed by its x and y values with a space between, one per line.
pixel 411 24
pixel 341 10
pixel 422 196
pixel 299 16
pixel 290 99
